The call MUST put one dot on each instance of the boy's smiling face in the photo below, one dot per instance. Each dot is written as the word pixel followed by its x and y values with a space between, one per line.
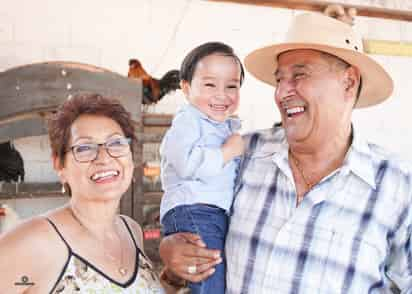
pixel 214 89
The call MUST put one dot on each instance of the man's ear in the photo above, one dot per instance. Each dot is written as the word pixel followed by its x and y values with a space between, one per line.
pixel 352 81
pixel 185 86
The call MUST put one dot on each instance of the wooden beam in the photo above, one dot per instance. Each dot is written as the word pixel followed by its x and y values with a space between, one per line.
pixel 392 48
pixel 30 190
pixel 150 138
pixel 152 119
pixel 53 189
pixel 316 5
pixel 20 129
pixel 152 198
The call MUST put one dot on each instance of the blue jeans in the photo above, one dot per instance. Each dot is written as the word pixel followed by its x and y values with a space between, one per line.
pixel 211 223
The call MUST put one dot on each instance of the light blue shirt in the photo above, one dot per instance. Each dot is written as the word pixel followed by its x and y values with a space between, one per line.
pixel 350 234
pixel 192 167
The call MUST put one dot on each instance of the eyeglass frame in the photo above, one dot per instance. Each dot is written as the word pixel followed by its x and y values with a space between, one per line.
pixel 128 140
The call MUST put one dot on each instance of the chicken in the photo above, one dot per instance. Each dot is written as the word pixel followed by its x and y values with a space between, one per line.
pixel 153 89
pixel 11 163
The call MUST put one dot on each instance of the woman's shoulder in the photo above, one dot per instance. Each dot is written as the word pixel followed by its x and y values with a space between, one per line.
pixel 30 249
pixel 31 238
pixel 37 231
pixel 34 230
pixel 136 230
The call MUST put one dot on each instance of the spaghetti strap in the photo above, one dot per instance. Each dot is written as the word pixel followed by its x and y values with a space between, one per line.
pixel 60 235
pixel 96 280
pixel 131 234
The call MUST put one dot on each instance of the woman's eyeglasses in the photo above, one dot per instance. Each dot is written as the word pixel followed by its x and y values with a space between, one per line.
pixel 86 152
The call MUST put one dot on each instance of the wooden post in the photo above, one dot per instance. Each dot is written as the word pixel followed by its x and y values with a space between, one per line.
pixel 132 201
pixel 320 5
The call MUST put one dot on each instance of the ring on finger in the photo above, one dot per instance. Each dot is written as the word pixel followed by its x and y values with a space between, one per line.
pixel 191 269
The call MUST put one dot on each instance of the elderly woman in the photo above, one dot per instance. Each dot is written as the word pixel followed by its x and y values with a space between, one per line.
pixel 85 246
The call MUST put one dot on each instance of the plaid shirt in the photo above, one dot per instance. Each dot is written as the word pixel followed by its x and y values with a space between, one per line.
pixel 350 234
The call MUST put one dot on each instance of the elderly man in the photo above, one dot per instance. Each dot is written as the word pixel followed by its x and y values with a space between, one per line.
pixel 317 208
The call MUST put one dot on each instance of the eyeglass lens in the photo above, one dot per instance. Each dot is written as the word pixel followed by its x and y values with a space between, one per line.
pixel 88 151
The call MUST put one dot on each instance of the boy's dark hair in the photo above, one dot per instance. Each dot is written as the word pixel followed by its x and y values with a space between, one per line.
pixel 192 59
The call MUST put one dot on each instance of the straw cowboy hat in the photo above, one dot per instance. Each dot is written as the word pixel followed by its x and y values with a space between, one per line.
pixel 326 34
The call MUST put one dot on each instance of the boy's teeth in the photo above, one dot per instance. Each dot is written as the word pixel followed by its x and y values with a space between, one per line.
pixel 218 107
pixel 110 173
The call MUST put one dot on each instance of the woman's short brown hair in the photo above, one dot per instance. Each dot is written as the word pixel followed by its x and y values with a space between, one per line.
pixel 60 122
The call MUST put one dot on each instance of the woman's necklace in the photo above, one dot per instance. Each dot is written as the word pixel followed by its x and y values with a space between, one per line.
pixel 121 268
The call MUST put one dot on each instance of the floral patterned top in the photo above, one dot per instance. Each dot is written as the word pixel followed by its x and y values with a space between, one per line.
pixel 80 276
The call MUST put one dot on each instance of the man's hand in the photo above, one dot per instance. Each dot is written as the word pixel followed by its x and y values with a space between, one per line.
pixel 234 146
pixel 183 250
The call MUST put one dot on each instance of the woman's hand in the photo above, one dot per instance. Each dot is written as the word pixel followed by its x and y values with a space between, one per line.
pixel 186 252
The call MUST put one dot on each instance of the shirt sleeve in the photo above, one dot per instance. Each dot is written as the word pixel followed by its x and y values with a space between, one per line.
pixel 399 267
pixel 183 150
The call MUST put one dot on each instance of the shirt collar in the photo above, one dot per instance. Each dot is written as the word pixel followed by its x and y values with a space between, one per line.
pixel 233 122
pixel 280 157
pixel 358 159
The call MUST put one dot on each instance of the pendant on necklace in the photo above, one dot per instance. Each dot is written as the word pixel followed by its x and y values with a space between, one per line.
pixel 122 271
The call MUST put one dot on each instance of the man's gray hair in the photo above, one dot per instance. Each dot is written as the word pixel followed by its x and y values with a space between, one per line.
pixel 335 61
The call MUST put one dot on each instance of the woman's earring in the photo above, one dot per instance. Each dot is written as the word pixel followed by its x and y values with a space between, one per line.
pixel 63 189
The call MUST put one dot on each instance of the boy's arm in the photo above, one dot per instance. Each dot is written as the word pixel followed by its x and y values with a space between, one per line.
pixel 181 149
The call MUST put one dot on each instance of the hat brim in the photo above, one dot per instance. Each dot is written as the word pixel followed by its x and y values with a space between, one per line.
pixel 377 85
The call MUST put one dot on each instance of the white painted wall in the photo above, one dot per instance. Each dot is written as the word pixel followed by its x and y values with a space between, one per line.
pixel 160 33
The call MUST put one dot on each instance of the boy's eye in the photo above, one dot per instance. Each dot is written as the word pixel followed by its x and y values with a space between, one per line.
pixel 209 85
pixel 232 86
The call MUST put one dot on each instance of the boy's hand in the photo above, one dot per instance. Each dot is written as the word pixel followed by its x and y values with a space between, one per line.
pixel 234 146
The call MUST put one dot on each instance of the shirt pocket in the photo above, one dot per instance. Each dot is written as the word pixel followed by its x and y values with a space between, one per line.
pixel 302 251
pixel 354 260
pixel 253 182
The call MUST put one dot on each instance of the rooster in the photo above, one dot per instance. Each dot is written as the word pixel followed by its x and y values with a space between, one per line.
pixel 11 163
pixel 153 89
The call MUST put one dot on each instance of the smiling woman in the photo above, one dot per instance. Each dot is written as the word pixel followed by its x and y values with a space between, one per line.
pixel 85 245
